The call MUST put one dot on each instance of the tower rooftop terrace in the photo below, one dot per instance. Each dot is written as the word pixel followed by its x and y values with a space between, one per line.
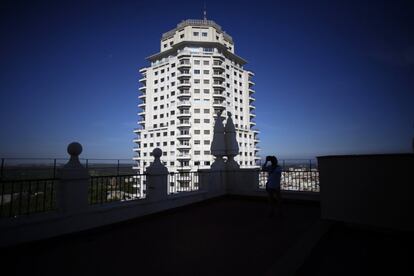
pixel 224 236
pixel 197 22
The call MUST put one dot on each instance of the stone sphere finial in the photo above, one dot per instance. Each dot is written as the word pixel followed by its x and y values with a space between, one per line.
pixel 75 149
pixel 157 167
pixel 157 152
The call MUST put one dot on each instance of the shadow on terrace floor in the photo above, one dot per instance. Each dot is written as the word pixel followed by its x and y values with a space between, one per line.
pixel 226 236
pixel 353 250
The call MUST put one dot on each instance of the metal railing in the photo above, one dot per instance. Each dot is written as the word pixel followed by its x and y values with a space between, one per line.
pixel 295 180
pixel 182 182
pixel 46 168
pixel 23 197
pixel 105 189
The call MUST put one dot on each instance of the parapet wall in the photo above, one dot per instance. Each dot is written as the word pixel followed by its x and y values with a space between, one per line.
pixel 372 190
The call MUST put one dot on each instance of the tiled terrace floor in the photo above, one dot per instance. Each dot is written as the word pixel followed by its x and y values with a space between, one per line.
pixel 226 236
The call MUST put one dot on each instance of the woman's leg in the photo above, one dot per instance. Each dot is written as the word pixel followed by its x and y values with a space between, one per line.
pixel 278 201
pixel 272 202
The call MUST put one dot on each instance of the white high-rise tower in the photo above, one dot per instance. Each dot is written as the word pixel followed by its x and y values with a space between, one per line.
pixel 195 74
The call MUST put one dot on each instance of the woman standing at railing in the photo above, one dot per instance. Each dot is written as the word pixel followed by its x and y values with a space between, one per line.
pixel 273 184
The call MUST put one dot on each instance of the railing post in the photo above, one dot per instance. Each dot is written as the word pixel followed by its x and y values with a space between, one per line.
pixel 72 189
pixel 2 167
pixel 54 168
pixel 117 169
pixel 157 178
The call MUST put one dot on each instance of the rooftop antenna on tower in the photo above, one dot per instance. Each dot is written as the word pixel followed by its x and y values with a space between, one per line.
pixel 205 12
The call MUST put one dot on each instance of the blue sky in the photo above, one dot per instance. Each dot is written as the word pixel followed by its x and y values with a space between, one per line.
pixel 331 77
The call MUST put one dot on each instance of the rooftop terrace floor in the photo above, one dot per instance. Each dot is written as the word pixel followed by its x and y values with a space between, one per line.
pixel 355 250
pixel 226 236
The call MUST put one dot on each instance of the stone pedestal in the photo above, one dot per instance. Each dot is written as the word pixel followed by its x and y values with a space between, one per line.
pixel 157 178
pixel 72 189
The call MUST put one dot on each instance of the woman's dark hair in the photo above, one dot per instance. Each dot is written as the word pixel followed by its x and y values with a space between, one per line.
pixel 273 160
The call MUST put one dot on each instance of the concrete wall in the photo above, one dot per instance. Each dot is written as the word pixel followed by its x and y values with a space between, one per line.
pixel 373 190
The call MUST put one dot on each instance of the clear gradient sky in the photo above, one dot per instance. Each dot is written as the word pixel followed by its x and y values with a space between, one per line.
pixel 332 77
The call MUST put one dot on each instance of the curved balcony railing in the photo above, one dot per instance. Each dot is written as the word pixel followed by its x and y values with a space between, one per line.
pixel 218 66
pixel 183 146
pixel 184 64
pixel 218 85
pixel 184 75
pixel 183 104
pixel 184 156
pixel 183 168
pixel 184 114
pixel 218 95
pixel 184 124
pixel 184 83
pixel 183 93
pixel 185 135
pixel 218 76
pixel 183 54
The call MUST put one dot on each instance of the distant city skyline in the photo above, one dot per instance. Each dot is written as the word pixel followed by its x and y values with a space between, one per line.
pixel 331 78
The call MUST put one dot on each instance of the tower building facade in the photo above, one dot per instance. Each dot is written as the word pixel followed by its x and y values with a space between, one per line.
pixel 195 75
